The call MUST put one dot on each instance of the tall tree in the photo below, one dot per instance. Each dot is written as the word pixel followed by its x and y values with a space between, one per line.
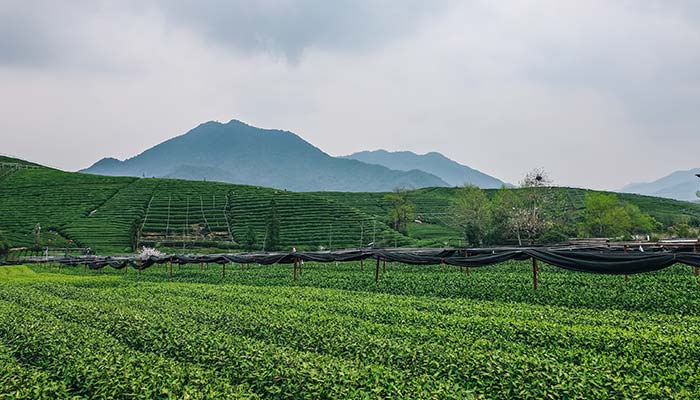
pixel 250 238
pixel 401 209
pixel 471 213
pixel 606 216
pixel 272 232
pixel 531 219
pixel 4 246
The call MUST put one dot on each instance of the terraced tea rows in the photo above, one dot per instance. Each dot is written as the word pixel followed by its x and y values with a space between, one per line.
pixel 309 221
pixel 187 212
pixel 52 199
pixel 422 332
pixel 115 215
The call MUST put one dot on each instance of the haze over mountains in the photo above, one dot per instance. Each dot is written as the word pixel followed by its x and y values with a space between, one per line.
pixel 239 153
pixel 679 185
pixel 450 171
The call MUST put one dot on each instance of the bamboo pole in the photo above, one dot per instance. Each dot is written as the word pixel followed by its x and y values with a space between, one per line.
pixel 535 270
pixel 376 272
pixel 627 277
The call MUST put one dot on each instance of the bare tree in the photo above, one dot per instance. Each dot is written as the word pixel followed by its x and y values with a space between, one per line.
pixel 529 219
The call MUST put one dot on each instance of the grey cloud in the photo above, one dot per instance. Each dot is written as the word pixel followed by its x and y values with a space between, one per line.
pixel 289 27
pixel 50 32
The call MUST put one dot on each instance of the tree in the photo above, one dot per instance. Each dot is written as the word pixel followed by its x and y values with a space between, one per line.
pixel 606 216
pixel 401 210
pixel 37 236
pixel 471 213
pixel 4 246
pixel 530 219
pixel 250 239
pixel 272 232
pixel 504 206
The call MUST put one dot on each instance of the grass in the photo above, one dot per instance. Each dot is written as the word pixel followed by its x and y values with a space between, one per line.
pixel 422 332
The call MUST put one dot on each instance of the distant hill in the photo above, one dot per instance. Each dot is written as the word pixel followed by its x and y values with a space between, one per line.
pixel 434 163
pixel 679 185
pixel 239 153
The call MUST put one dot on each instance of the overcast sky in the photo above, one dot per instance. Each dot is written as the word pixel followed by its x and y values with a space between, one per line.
pixel 600 93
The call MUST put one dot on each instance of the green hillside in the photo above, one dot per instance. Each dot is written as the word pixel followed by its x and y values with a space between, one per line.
pixel 118 214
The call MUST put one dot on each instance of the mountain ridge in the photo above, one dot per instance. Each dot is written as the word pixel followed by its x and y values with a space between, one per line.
pixel 452 172
pixel 236 152
pixel 679 185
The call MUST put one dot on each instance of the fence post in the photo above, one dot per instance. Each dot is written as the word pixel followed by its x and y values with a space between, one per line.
pixel 627 277
pixel 535 270
pixel 376 272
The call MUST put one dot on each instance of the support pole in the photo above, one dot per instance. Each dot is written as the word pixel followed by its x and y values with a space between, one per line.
pixel 627 277
pixel 535 270
pixel 376 272
pixel 384 266
pixel 362 265
pixel 469 272
pixel 170 269
pixel 695 269
pixel 223 270
pixel 295 270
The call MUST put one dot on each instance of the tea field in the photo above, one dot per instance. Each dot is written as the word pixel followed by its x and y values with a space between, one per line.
pixel 421 332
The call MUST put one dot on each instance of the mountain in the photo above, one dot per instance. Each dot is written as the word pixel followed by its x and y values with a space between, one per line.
pixel 679 185
pixel 239 153
pixel 434 163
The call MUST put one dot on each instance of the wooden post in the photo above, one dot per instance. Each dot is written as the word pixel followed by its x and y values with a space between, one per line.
pixel 627 277
pixel 535 270
pixel 376 272
pixel 469 272
pixel 223 270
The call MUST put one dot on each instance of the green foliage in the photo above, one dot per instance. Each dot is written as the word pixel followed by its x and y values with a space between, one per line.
pixel 272 232
pixel 605 216
pixel 401 210
pixel 250 239
pixel 471 213
pixel 421 332
pixel 4 246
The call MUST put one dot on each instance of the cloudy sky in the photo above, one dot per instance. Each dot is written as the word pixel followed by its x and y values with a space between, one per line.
pixel 599 93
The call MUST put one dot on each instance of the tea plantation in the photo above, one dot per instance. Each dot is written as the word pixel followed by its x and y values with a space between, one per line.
pixel 118 214
pixel 421 332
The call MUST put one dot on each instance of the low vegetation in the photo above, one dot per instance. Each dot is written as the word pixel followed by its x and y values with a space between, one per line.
pixel 421 332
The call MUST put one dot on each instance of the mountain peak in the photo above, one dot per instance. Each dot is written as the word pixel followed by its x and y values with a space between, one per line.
pixel 236 152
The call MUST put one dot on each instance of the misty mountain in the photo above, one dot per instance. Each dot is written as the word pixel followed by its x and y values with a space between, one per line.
pixel 239 153
pixel 679 185
pixel 434 163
